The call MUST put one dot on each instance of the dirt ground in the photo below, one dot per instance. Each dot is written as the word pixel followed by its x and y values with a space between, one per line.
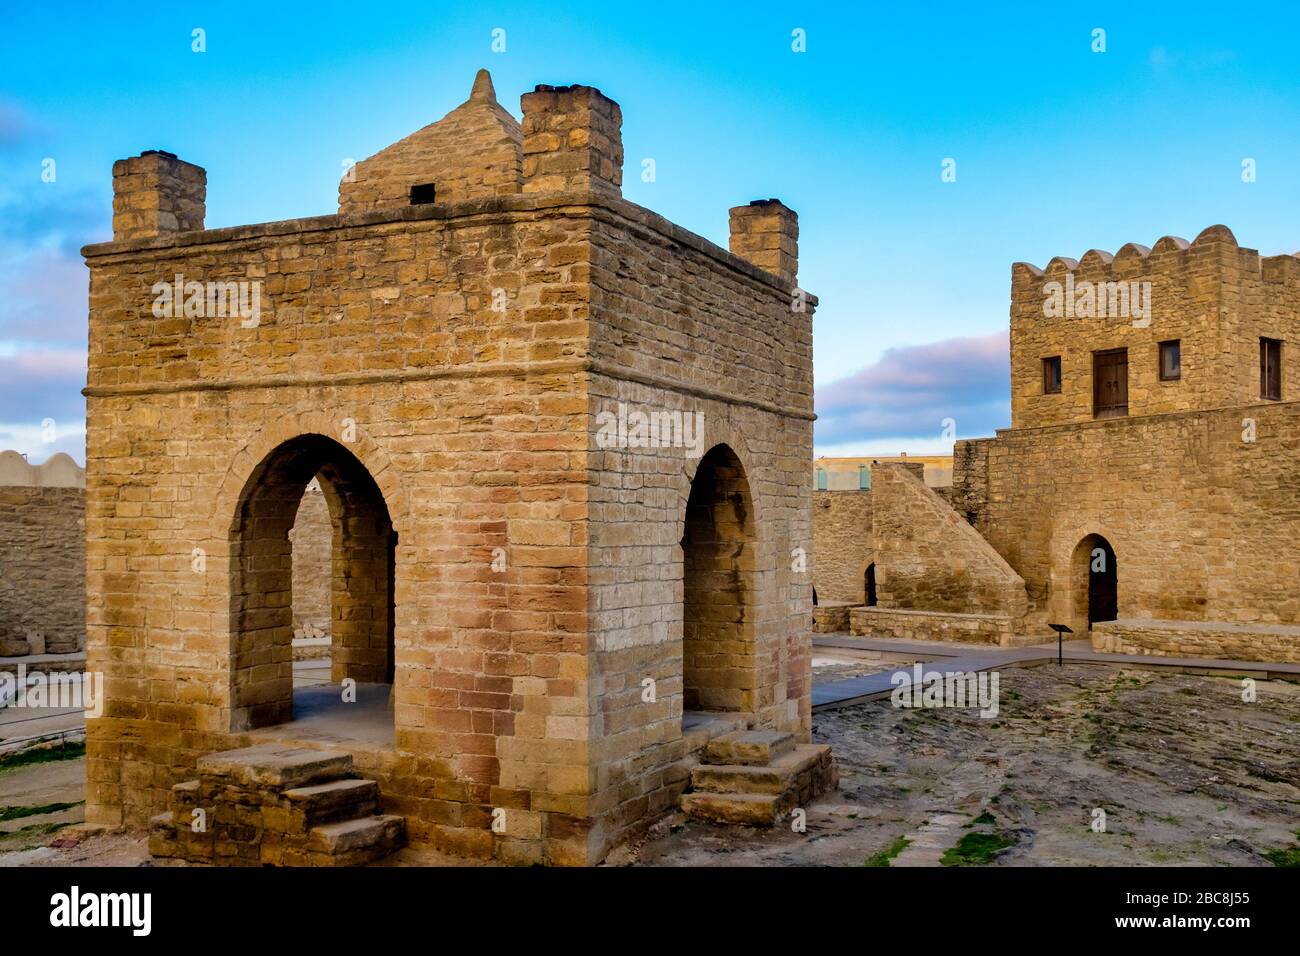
pixel 1184 770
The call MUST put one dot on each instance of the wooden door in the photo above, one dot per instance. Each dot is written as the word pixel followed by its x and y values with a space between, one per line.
pixel 1110 383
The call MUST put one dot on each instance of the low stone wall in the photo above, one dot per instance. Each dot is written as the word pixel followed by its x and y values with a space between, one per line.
pixel 1274 643
pixel 934 626
pixel 832 617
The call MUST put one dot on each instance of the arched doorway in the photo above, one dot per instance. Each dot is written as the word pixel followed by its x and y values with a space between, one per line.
pixel 1095 581
pixel 718 561
pixel 869 585
pixel 361 569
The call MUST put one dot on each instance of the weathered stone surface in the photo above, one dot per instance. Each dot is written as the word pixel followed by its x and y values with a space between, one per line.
pixel 275 765
pixel 753 747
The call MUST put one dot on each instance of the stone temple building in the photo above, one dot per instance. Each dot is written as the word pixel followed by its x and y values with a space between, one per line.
pixel 564 446
pixel 1147 492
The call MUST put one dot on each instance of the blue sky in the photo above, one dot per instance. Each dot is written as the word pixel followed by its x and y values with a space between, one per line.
pixel 1058 149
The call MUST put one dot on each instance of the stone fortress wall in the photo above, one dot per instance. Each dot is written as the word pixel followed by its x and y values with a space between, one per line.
pixel 1192 487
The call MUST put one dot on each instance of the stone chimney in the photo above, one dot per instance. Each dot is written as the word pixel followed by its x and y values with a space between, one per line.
pixel 573 141
pixel 155 193
pixel 767 234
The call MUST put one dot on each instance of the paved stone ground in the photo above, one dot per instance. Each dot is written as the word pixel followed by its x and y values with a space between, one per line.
pixel 833 664
pixel 1186 772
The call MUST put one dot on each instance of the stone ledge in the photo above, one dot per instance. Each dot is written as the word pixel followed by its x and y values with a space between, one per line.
pixel 610 207
pixel 1223 640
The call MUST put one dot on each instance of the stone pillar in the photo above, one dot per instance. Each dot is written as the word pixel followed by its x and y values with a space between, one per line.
pixel 156 193
pixel 573 141
pixel 766 233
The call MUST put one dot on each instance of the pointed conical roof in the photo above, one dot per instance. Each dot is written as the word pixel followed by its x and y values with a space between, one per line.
pixel 473 152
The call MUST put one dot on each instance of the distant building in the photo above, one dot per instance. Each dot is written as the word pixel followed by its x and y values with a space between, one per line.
pixel 853 474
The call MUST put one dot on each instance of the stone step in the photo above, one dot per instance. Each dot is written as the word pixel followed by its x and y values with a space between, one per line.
pixel 748 747
pixel 335 801
pixel 752 809
pixel 356 842
pixel 276 766
pixel 776 778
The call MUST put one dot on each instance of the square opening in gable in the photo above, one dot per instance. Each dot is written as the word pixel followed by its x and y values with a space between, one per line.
pixel 422 194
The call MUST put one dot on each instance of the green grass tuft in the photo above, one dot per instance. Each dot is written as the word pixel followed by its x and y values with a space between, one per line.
pixel 884 857
pixel 15 813
pixel 977 849
pixel 35 755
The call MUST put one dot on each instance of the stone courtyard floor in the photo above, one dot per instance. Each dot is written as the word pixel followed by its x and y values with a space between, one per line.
pixel 1185 772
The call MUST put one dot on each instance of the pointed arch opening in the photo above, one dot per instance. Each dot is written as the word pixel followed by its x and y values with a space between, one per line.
pixel 361 566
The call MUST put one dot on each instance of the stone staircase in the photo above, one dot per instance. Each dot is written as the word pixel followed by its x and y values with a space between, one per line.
pixel 275 805
pixel 756 777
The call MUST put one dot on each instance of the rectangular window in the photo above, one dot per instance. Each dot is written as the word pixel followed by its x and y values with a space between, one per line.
pixel 1052 375
pixel 1270 369
pixel 422 194
pixel 1110 383
pixel 864 477
pixel 821 479
pixel 1171 361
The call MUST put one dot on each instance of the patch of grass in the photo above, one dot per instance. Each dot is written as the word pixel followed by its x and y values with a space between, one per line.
pixel 1286 857
pixel 977 849
pixel 14 813
pixel 983 818
pixel 884 857
pixel 35 755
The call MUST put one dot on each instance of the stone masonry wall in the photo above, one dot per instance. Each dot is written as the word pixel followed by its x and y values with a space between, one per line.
pixel 43 568
pixel 42 556
pixel 1205 639
pixel 929 558
pixel 842 544
pixel 678 326
pixel 380 335
pixel 1216 298
pixel 1202 522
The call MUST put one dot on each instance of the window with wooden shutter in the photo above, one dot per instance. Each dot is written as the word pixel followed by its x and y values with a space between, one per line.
pixel 1110 383
pixel 1052 375
pixel 1270 369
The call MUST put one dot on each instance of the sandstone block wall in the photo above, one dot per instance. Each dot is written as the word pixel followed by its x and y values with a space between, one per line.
pixel 1206 639
pixel 741 360
pixel 842 544
pixel 1202 522
pixel 474 152
pixel 1213 296
pixel 42 556
pixel 928 557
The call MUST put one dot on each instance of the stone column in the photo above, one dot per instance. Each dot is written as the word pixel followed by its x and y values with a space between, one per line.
pixel 573 141
pixel 156 193
pixel 766 233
